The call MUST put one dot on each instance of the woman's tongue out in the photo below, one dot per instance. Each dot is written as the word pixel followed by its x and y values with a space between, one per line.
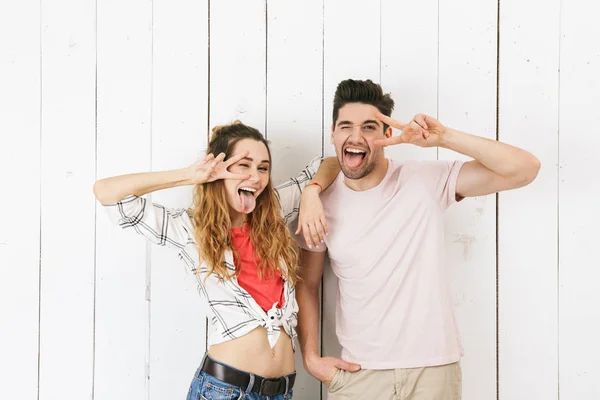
pixel 247 201
pixel 354 159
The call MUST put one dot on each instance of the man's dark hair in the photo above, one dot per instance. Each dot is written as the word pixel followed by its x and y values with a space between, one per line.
pixel 366 92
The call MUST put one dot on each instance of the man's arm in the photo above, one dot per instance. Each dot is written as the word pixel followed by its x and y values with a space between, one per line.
pixel 496 166
pixel 311 219
pixel 307 294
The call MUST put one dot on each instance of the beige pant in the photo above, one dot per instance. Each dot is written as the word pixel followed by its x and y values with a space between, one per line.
pixel 429 383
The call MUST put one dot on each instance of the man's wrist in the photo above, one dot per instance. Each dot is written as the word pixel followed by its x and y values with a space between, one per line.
pixel 448 138
pixel 310 357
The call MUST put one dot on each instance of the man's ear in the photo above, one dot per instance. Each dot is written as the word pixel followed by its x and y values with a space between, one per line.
pixel 332 129
pixel 388 132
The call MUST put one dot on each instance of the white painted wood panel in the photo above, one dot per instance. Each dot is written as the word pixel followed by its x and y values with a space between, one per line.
pixel 409 67
pixel 579 191
pixel 294 107
pixel 124 118
pixel 467 102
pixel 527 229
pixel 140 101
pixel 67 204
pixel 352 50
pixel 179 132
pixel 238 62
pixel 294 89
pixel 19 198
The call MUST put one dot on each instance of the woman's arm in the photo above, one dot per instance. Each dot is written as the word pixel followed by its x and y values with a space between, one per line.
pixel 121 197
pixel 326 174
pixel 114 189
pixel 311 219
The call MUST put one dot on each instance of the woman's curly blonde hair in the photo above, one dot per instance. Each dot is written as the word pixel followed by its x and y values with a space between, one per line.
pixel 270 237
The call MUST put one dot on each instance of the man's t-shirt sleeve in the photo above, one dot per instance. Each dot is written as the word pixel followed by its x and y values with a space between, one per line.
pixel 440 179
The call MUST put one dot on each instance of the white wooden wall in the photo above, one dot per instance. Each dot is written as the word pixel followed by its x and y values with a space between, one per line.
pixel 90 89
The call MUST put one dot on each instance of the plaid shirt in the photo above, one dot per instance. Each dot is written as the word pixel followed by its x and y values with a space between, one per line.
pixel 232 311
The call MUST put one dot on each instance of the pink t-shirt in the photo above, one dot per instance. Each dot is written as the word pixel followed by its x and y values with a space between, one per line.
pixel 386 245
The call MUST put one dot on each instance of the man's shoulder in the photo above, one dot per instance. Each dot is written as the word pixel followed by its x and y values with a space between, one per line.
pixel 412 162
pixel 334 194
pixel 415 166
pixel 403 168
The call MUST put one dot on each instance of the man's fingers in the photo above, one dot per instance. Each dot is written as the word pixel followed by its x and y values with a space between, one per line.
pixel 341 364
pixel 420 120
pixel 414 128
pixel 391 122
pixel 391 141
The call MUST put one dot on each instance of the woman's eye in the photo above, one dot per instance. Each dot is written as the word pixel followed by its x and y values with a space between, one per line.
pixel 243 165
pixel 264 169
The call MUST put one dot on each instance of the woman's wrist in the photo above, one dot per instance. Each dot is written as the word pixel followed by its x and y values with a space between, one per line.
pixel 314 186
pixel 187 176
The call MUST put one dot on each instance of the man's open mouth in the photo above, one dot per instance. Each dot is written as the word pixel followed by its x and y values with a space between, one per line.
pixel 354 156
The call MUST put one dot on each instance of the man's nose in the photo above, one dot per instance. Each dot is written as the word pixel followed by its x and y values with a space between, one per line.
pixel 356 132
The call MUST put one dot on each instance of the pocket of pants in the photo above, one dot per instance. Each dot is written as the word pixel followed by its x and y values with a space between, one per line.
pixel 214 391
pixel 337 381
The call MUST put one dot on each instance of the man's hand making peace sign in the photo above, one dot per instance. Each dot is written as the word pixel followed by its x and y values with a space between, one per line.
pixel 423 130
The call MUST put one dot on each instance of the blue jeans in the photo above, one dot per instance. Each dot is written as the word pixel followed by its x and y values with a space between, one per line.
pixel 207 387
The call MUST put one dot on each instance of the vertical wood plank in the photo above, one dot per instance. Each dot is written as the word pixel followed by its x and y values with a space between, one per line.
pixel 351 50
pixel 68 205
pixel 124 116
pixel 527 228
pixel 579 189
pixel 294 107
pixel 179 121
pixel 20 198
pixel 238 62
pixel 409 65
pixel 294 98
pixel 467 102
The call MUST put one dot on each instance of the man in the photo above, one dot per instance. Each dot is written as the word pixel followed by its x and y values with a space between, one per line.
pixel 394 312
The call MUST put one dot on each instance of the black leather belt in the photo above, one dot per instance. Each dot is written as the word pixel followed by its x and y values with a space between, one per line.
pixel 262 386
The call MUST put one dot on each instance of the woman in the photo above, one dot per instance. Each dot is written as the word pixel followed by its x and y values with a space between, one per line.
pixel 237 243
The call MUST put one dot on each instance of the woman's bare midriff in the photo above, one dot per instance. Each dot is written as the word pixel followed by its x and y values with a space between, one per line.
pixel 252 353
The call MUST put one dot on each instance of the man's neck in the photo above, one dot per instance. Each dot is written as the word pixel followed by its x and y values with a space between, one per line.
pixel 371 180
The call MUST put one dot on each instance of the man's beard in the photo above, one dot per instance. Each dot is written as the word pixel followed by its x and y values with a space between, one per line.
pixel 357 173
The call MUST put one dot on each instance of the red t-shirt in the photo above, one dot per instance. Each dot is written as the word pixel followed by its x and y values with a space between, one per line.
pixel 265 291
